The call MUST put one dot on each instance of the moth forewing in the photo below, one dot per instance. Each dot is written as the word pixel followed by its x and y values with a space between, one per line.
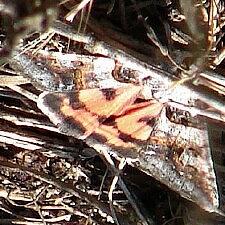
pixel 179 156
pixel 175 154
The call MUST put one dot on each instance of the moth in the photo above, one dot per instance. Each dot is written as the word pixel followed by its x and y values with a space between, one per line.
pixel 127 120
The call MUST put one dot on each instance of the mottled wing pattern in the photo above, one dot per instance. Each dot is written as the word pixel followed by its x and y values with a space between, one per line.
pixel 107 116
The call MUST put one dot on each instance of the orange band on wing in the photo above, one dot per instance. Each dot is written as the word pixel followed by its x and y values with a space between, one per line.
pixel 108 102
